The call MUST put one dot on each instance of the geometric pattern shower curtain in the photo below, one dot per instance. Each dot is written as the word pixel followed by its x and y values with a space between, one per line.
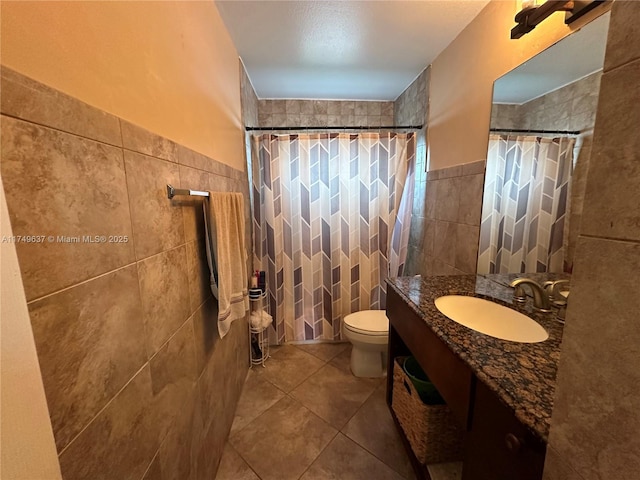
pixel 524 208
pixel 331 223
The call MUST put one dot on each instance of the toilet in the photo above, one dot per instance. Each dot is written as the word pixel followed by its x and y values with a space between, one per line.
pixel 368 331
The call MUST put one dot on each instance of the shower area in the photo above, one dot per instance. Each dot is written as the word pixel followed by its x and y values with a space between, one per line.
pixel 331 213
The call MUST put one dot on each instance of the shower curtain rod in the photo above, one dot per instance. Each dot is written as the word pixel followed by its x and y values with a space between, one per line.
pixel 172 192
pixel 326 127
pixel 551 132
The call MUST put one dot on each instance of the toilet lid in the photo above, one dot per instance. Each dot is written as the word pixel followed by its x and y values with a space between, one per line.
pixel 372 322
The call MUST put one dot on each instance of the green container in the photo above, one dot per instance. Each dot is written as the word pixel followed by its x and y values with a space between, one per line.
pixel 427 390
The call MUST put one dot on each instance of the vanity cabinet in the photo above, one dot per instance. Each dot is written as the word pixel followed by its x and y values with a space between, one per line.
pixel 496 445
pixel 409 335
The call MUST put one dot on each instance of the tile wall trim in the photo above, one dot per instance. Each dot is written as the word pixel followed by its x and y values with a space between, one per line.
pixel 61 121
pixel 65 289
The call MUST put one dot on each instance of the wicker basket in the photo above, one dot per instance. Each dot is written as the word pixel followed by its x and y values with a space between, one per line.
pixel 431 430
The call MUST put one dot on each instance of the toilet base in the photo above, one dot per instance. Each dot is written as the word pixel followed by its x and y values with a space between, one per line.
pixel 369 362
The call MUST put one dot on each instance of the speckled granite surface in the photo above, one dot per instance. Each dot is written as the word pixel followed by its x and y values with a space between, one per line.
pixel 522 374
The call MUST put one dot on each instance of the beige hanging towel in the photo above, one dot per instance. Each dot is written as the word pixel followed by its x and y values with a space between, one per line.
pixel 227 256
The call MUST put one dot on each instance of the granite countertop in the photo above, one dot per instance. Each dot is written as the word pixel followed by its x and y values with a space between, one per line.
pixel 523 375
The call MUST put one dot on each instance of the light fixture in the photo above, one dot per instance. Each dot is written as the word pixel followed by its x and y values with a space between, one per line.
pixel 532 14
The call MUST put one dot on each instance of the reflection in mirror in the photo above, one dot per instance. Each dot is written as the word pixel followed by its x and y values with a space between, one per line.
pixel 539 147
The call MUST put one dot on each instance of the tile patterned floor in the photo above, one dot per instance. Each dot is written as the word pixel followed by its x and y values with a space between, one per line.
pixel 305 416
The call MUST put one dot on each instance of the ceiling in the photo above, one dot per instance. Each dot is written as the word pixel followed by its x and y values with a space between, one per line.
pixel 341 50
pixel 574 57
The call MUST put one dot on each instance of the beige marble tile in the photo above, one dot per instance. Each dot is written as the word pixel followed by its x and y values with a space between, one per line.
pixel 278 106
pixel 556 468
pixel 61 185
pixel 154 471
pixel 325 351
pixel 264 106
pixel 32 101
pixel 293 119
pixel 165 295
pixel 361 108
pixel 347 108
pixel 289 367
pixel 373 428
pixel 445 242
pixel 344 459
pixel 205 328
pixel 233 467
pixel 292 107
pixel 173 376
pixel 211 451
pixel 306 107
pixel 431 198
pixel 110 447
pixel 466 247
pixel 258 395
pixel 361 121
pixel 175 453
pixel 320 107
pixel 343 360
pixel 283 441
pixel 624 39
pixel 612 199
pixel 143 141
pixel 193 159
pixel 90 341
pixel 265 119
pixel 470 205
pixel 447 199
pixel 157 221
pixel 374 108
pixel 429 240
pixel 387 109
pixel 595 423
pixel 334 107
pixel 221 381
pixel 445 471
pixel 280 120
pixel 198 274
pixel 334 395
pixel 334 121
pixel 450 172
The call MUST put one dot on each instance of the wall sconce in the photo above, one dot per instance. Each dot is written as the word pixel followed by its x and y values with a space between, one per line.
pixel 532 14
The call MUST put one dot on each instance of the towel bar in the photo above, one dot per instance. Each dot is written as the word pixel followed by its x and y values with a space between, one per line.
pixel 172 192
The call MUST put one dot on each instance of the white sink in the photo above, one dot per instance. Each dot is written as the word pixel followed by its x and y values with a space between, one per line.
pixel 491 319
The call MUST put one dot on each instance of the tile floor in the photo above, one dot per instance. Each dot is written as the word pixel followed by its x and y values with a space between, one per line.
pixel 305 416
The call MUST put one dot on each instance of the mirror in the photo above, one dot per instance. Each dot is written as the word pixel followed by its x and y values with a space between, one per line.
pixel 542 122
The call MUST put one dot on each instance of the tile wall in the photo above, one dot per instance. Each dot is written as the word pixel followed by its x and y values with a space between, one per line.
pixel 595 423
pixel 324 113
pixel 248 100
pixel 412 106
pixel 447 221
pixel 137 381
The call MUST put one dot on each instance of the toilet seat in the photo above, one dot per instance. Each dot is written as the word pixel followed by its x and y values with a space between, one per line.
pixel 368 322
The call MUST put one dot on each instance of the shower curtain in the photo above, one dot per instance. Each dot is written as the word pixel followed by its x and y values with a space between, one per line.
pixel 524 209
pixel 331 218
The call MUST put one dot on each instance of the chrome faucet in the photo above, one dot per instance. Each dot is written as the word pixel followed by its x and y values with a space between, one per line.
pixel 540 298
